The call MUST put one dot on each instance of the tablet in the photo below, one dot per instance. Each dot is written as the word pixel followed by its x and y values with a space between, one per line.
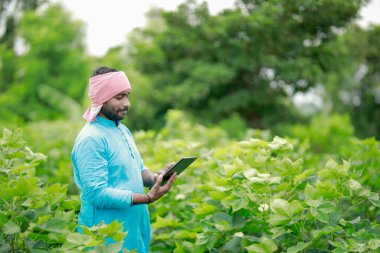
pixel 180 166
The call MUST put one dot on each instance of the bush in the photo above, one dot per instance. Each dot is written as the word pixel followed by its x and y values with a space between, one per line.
pixel 38 217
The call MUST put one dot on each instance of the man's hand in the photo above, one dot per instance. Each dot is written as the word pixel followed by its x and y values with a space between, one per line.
pixel 157 190
pixel 162 172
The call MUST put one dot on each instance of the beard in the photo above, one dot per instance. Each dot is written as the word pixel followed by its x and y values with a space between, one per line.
pixel 111 115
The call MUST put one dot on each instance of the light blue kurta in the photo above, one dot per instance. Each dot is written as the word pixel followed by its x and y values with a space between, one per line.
pixel 107 170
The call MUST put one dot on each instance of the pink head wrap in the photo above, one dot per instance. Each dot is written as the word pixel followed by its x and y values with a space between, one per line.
pixel 103 88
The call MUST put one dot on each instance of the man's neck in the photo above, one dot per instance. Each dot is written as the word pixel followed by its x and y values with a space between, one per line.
pixel 105 117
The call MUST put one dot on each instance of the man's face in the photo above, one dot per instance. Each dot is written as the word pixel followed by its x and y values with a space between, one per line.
pixel 116 108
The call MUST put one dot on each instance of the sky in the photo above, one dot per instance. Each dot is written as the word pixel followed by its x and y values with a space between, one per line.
pixel 109 22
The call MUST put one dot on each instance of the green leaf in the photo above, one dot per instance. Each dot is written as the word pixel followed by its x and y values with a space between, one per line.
pixel 204 209
pixel 54 225
pixel 11 228
pixel 280 145
pixel 313 202
pixel 250 172
pixel 374 199
pixel 266 245
pixel 325 231
pixel 374 244
pixel 110 228
pixel 334 170
pixel 277 232
pixel 184 234
pixel 238 221
pixel 39 251
pixel 299 247
pixel 236 166
pixel 169 221
pixel 280 206
pixel 233 245
pixel 179 248
pixel 7 134
pixel 223 225
pixel 354 185
pixel 327 207
pixel 283 207
pixel 234 202
pixel 278 220
pixel 111 248
pixel 77 238
pixel 295 208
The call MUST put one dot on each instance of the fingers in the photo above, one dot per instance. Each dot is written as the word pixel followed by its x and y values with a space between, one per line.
pixel 157 191
pixel 158 182
pixel 169 166
pixel 172 179
pixel 170 182
pixel 161 172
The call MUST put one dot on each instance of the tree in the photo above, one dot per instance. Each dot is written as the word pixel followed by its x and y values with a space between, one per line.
pixel 367 113
pixel 10 12
pixel 352 78
pixel 362 97
pixel 54 56
pixel 248 60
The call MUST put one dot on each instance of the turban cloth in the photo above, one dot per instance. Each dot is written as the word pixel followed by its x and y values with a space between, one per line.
pixel 102 88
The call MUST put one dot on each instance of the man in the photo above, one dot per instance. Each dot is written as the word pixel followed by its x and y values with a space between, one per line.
pixel 108 168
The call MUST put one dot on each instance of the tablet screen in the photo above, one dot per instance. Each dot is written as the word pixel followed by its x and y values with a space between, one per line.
pixel 180 166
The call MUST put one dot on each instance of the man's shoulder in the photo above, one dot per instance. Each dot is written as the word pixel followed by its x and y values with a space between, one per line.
pixel 90 132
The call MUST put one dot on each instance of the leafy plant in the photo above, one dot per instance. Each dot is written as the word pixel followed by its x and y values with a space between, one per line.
pixel 259 196
pixel 36 217
pixel 258 200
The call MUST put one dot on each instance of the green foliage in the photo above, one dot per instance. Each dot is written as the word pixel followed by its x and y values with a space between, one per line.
pixel 367 113
pixel 249 60
pixel 351 83
pixel 54 57
pixel 10 11
pixel 262 194
pixel 38 217
pixel 55 139
pixel 7 67
pixel 250 196
pixel 325 134
pixel 254 198
pixel 235 126
pixel 327 137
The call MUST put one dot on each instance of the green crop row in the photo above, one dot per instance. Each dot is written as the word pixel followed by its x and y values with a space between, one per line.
pixel 38 217
pixel 314 191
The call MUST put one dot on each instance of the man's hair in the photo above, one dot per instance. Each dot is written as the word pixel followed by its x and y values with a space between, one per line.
pixel 103 70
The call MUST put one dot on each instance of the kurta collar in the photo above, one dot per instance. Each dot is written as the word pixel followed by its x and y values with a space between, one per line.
pixel 106 122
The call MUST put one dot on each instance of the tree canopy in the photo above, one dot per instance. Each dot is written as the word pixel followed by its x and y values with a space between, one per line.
pixel 52 54
pixel 248 60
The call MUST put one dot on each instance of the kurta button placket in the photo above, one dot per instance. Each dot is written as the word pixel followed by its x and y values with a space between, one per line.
pixel 125 135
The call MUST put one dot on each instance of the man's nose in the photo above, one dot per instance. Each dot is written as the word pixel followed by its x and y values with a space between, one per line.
pixel 126 102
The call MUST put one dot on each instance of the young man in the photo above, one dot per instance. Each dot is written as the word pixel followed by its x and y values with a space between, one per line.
pixel 108 168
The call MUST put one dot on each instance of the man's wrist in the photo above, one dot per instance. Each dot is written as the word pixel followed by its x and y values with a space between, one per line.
pixel 149 200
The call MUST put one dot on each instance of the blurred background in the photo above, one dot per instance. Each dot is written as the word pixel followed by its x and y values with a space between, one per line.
pixel 216 79
pixel 257 64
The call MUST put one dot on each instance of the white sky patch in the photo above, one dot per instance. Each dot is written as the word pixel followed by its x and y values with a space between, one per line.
pixel 109 22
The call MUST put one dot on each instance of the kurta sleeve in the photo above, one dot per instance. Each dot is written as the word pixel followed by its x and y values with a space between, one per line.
pixel 91 162
pixel 142 166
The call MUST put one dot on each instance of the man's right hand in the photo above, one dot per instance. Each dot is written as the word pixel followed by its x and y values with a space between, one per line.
pixel 157 191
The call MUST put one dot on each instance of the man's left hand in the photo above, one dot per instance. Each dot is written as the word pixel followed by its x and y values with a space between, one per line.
pixel 162 172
